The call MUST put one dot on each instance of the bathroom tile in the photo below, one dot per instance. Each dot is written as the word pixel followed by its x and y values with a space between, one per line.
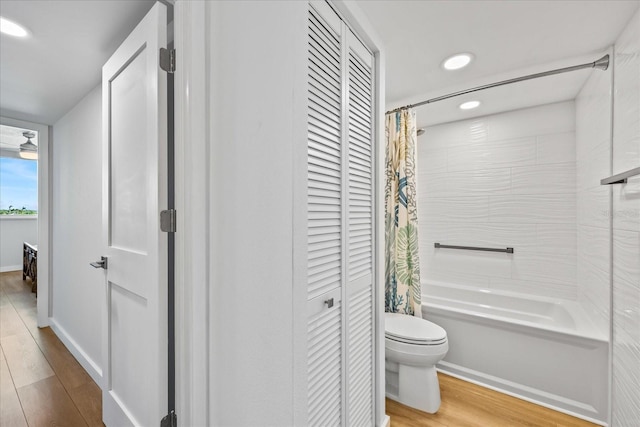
pixel 428 234
pixel 626 228
pixel 532 265
pixel 510 182
pixel 597 308
pixel 433 184
pixel 626 205
pixel 594 207
pixel 471 262
pixel 490 181
pixel 593 113
pixel 556 148
pixel 544 179
pixel 626 261
pixel 432 231
pixel 626 386
pixel 556 238
pixel 594 166
pixel 431 160
pixel 594 246
pixel 595 291
pixel 457 277
pixel 460 133
pixel 460 209
pixel 492 154
pixel 549 208
pixel 542 120
pixel 626 153
pixel 453 184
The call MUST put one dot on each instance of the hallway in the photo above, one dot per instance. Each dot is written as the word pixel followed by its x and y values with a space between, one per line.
pixel 41 383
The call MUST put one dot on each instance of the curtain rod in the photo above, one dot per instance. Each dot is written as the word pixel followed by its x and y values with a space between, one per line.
pixel 601 64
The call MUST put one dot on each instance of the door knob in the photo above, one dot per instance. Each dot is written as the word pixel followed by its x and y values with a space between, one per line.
pixel 100 264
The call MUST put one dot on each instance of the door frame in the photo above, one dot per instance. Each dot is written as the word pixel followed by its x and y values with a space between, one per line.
pixel 44 217
pixel 192 203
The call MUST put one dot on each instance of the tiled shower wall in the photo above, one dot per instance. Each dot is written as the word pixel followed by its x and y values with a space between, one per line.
pixel 504 180
pixel 626 229
pixel 593 162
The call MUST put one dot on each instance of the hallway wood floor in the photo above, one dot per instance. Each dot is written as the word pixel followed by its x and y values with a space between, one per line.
pixel 41 383
pixel 468 405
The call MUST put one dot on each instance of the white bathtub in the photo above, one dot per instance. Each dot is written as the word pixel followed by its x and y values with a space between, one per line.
pixel 544 351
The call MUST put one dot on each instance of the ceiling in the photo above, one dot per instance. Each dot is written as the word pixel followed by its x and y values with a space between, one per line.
pixel 45 75
pixel 11 138
pixel 508 38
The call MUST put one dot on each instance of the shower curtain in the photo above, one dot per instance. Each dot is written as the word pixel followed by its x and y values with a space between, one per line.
pixel 402 263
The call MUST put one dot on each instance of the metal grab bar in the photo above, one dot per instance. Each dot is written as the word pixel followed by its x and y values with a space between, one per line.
pixel 620 178
pixel 473 248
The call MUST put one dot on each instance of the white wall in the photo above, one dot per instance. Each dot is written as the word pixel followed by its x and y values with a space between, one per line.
pixel 626 229
pixel 504 180
pixel 14 231
pixel 593 146
pixel 257 116
pixel 78 288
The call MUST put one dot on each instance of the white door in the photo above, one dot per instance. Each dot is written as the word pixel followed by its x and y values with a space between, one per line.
pixel 134 91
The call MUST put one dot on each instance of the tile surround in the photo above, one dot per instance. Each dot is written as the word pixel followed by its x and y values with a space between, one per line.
pixel 509 180
pixel 593 162
pixel 626 230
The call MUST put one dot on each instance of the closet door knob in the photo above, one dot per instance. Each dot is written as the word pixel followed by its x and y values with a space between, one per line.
pixel 329 302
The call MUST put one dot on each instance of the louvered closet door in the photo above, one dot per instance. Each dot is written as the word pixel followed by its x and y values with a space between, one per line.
pixel 360 237
pixel 340 204
pixel 325 218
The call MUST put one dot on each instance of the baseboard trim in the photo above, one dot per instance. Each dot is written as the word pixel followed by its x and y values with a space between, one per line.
pixel 92 368
pixel 386 421
pixel 512 389
pixel 11 268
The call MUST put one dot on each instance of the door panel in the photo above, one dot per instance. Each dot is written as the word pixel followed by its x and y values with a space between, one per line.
pixel 360 236
pixel 325 237
pixel 128 173
pixel 134 192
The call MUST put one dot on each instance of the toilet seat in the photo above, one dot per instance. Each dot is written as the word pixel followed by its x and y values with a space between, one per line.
pixel 415 342
pixel 413 330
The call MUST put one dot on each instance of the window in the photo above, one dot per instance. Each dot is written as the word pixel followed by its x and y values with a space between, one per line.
pixel 18 186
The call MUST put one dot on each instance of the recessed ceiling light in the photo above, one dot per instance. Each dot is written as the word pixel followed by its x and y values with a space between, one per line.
pixel 457 61
pixel 469 105
pixel 11 28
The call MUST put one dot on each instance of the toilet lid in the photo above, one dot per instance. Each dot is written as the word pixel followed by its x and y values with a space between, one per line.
pixel 411 329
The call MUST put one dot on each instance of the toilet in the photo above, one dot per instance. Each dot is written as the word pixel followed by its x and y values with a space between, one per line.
pixel 413 346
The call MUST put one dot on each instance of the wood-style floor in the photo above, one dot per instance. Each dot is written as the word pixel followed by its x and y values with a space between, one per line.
pixel 41 383
pixel 469 405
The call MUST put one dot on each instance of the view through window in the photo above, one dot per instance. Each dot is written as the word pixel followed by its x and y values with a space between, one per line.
pixel 18 179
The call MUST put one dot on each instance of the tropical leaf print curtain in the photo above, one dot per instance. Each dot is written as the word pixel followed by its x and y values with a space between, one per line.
pixel 402 263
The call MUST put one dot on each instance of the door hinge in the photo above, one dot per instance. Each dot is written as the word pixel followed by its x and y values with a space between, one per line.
pixel 168 221
pixel 168 60
pixel 171 420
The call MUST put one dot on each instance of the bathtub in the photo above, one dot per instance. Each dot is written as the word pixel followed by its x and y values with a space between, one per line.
pixel 543 351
